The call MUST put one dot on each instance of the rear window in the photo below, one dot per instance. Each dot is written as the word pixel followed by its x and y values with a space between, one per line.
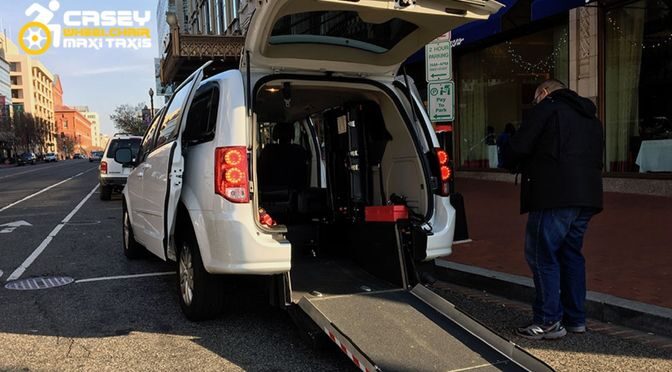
pixel 343 28
pixel 132 143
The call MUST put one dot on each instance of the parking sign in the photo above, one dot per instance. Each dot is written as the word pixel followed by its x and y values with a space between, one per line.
pixel 441 96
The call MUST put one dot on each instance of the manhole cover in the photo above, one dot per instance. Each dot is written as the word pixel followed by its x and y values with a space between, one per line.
pixel 43 282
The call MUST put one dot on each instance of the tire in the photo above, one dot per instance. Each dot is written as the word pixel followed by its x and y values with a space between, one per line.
pixel 200 293
pixel 105 193
pixel 132 249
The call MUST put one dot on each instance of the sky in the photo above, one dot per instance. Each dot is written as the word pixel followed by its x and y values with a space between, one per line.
pixel 101 79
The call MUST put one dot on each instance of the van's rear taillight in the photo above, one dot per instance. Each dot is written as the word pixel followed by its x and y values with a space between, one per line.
pixel 445 171
pixel 103 167
pixel 231 174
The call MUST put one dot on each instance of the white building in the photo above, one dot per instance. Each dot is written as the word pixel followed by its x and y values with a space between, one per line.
pixel 5 81
pixel 94 119
pixel 103 139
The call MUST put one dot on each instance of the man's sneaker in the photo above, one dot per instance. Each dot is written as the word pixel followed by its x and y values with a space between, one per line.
pixel 576 329
pixel 538 332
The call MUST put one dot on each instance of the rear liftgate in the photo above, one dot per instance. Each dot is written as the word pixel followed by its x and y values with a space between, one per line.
pixel 413 330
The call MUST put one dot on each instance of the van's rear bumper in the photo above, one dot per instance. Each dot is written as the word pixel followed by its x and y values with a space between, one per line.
pixel 112 181
pixel 440 243
pixel 231 243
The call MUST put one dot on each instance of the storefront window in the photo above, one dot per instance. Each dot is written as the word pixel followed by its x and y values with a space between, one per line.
pixel 496 85
pixel 638 87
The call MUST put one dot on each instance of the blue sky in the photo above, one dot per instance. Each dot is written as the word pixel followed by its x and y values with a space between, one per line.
pixel 101 79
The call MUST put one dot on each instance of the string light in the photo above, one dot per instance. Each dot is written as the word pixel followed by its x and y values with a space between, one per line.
pixel 544 64
pixel 653 45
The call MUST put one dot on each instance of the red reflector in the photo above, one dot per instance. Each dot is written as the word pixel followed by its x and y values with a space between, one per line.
pixel 385 213
pixel 265 218
pixel 103 167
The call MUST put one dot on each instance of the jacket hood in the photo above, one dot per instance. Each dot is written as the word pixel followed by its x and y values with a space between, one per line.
pixel 582 105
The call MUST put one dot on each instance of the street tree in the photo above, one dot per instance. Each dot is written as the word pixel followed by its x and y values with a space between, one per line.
pixel 30 133
pixel 128 119
pixel 66 144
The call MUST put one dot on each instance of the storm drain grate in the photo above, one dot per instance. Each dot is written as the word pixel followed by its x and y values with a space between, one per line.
pixel 44 282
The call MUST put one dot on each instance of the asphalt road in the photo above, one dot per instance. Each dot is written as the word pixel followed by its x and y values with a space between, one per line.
pixel 105 321
pixel 118 324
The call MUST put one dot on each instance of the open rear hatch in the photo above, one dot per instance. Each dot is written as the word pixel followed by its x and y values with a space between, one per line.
pixel 357 37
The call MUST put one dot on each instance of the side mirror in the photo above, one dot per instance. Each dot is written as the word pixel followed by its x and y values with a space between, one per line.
pixel 123 156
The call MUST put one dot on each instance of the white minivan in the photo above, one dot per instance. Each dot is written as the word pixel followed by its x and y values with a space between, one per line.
pixel 313 164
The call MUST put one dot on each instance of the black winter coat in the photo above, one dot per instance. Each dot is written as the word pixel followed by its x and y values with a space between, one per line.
pixel 558 151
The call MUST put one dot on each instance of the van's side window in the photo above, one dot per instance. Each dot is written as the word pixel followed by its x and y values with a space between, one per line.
pixel 168 131
pixel 150 139
pixel 202 119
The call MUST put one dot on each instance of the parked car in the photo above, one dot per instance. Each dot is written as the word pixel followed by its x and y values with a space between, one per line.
pixel 95 156
pixel 244 172
pixel 50 157
pixel 78 156
pixel 112 175
pixel 26 158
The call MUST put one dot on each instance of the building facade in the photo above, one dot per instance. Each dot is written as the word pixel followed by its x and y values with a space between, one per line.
pixel 94 119
pixel 192 32
pixel 32 91
pixel 5 82
pixel 6 137
pixel 617 53
pixel 74 125
pixel 103 140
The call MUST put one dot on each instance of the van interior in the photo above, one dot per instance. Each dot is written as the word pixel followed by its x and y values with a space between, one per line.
pixel 323 154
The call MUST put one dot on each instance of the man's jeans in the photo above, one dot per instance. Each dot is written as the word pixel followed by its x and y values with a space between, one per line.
pixel 553 242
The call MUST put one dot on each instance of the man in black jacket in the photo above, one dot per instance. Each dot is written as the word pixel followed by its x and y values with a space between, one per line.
pixel 558 151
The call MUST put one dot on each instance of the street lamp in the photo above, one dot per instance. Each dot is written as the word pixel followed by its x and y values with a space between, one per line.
pixel 151 99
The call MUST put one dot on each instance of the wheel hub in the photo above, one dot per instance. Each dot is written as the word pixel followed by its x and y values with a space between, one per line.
pixel 186 271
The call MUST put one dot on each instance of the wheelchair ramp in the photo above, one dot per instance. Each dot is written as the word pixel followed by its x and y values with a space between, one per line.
pixel 417 330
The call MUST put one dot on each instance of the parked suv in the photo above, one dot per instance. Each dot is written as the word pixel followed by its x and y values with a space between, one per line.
pixel 287 164
pixel 112 175
pixel 26 158
pixel 50 157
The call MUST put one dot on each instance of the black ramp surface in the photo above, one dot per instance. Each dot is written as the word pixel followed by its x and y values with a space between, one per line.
pixel 331 277
pixel 399 332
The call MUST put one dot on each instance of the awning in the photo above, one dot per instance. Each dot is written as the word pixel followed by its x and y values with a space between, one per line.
pixel 546 8
pixel 474 31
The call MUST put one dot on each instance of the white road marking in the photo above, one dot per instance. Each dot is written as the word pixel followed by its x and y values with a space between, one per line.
pixel 124 277
pixel 44 190
pixel 32 170
pixel 1 273
pixel 40 248
pixel 10 227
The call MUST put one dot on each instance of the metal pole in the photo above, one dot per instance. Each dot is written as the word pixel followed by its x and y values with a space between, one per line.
pixel 151 99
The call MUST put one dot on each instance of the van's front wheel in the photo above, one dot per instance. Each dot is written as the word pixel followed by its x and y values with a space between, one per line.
pixel 201 293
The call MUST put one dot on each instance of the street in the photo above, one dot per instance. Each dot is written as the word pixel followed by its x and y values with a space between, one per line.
pixel 121 314
pixel 105 321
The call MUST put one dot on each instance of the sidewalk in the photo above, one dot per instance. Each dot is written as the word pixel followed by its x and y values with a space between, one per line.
pixel 628 247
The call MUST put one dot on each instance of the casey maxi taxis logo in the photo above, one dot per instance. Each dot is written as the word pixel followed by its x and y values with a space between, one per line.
pixel 90 29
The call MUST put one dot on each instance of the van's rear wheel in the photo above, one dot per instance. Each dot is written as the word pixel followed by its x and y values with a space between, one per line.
pixel 201 293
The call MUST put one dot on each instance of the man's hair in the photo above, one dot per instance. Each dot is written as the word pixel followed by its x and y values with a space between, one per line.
pixel 551 85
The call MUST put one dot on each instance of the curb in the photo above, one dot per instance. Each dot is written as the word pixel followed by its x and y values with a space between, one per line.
pixel 603 307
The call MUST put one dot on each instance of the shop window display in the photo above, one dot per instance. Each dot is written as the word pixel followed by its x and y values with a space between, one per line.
pixel 638 85
pixel 496 86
